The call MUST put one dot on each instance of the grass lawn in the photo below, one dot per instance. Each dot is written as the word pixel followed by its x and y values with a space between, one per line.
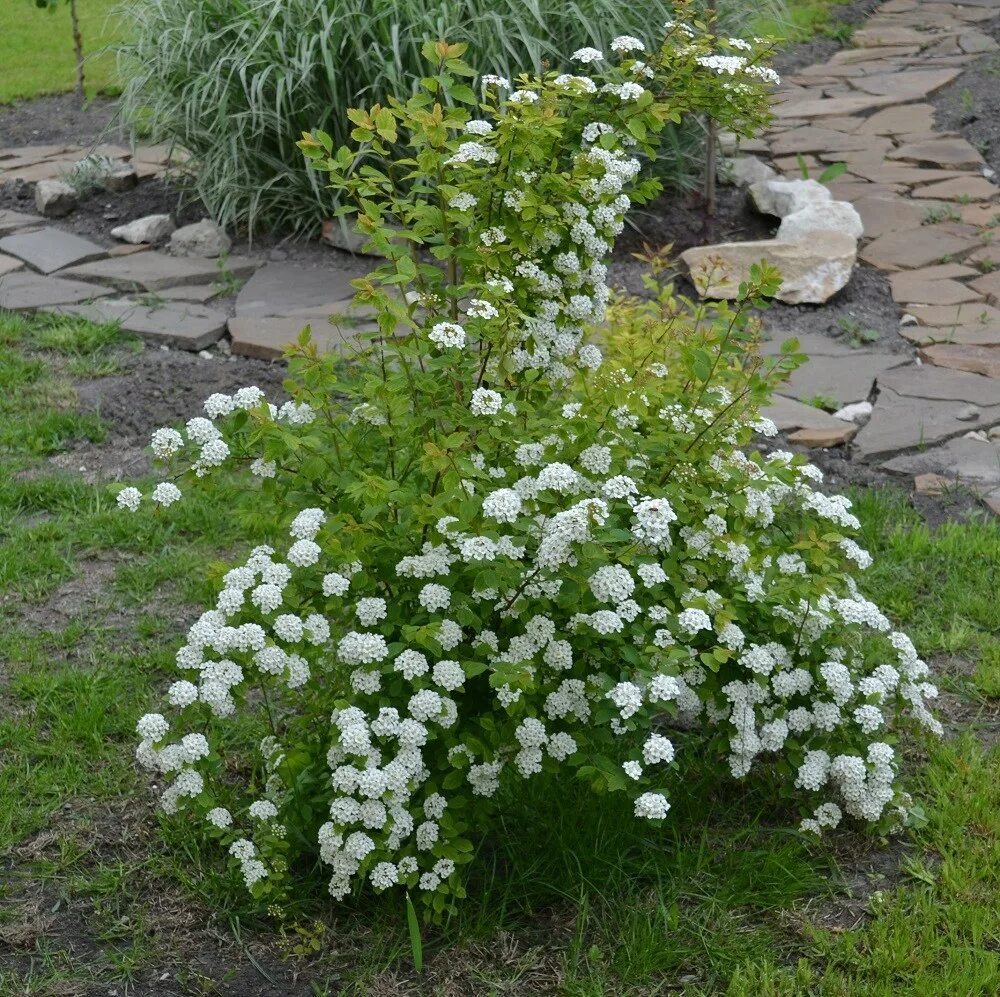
pixel 36 48
pixel 573 897
pixel 806 18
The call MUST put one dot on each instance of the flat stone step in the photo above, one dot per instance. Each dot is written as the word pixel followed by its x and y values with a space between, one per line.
pixel 269 337
pixel 27 292
pixel 11 221
pixel 49 249
pixel 920 406
pixel 151 271
pixel 8 264
pixel 186 326
pixel 286 289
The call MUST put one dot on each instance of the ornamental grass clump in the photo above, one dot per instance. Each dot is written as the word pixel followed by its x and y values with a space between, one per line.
pixel 523 529
pixel 235 82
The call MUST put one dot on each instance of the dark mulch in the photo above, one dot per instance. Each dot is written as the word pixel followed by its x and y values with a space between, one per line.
pixel 48 120
pixel 971 104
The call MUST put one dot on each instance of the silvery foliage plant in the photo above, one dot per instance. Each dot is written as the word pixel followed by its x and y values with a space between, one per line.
pixel 515 531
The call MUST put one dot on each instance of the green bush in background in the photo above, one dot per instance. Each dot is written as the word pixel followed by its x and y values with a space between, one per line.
pixel 236 82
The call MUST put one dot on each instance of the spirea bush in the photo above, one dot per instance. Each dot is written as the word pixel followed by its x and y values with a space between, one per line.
pixel 510 545
pixel 235 82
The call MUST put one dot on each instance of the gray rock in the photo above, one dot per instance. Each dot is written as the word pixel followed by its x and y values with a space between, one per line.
pixel 746 170
pixel 26 292
pixel 822 216
pixel 54 198
pixel 121 178
pixel 204 238
pixel 50 249
pixel 170 323
pixel 150 271
pixel 968 413
pixel 152 228
pixel 783 197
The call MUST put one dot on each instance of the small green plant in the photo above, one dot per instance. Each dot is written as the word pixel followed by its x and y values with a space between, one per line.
pixel 825 402
pixel 828 175
pixel 228 283
pixel 89 174
pixel 857 335
pixel 986 265
pixel 944 213
pixel 967 102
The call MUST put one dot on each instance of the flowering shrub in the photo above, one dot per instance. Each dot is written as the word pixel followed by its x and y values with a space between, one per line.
pixel 506 549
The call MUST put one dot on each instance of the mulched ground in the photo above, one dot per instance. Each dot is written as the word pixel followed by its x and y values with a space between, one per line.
pixel 971 104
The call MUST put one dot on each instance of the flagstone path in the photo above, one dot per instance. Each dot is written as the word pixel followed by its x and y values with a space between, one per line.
pixel 931 209
pixel 927 199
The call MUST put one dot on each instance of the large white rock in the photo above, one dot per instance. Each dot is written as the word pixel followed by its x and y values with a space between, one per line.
pixel 784 197
pixel 812 269
pixel 54 198
pixel 152 228
pixel 822 216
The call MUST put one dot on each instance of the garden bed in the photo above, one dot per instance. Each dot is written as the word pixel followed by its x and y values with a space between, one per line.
pixel 94 900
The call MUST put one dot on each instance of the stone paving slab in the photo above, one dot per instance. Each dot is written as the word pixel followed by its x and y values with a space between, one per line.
pixel 973 334
pixel 8 264
pixel 198 293
pixel 268 337
pixel 789 414
pixel 956 153
pixel 25 154
pixel 834 370
pixel 973 462
pixel 27 292
pixel 971 188
pixel 983 360
pixel 900 120
pixel 11 221
pixel 284 289
pixel 909 288
pixel 152 271
pixel 807 108
pixel 911 85
pixel 989 286
pixel 172 323
pixel 816 138
pixel 907 249
pixel 949 316
pixel 920 406
pixel 49 249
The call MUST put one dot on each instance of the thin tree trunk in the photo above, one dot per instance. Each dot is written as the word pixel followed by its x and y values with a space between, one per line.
pixel 710 153
pixel 78 49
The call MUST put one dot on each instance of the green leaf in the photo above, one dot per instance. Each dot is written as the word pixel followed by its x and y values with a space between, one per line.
pixel 833 171
pixel 416 942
